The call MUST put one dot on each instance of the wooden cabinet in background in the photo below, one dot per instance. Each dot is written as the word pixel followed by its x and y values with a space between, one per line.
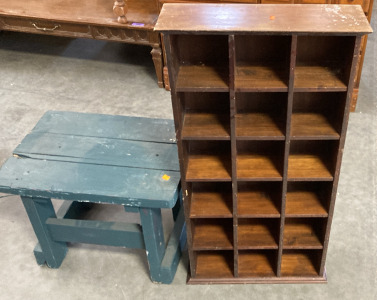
pixel 83 19
pixel 261 101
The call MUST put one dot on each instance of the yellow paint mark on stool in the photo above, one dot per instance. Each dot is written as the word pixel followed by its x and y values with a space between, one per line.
pixel 166 177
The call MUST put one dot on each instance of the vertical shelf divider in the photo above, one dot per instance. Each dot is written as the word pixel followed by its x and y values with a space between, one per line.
pixel 232 98
pixel 292 66
pixel 178 122
pixel 350 86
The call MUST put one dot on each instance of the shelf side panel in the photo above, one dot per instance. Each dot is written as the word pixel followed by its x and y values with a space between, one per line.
pixel 339 154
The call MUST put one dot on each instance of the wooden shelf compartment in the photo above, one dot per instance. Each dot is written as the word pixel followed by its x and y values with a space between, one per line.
pixel 308 199
pixel 259 199
pixel 212 234
pixel 323 63
pixel 258 233
pixel 202 62
pixel 208 161
pixel 303 233
pixel 262 63
pixel 201 78
pixel 205 116
pixel 205 125
pixel 214 264
pixel 211 200
pixel 257 263
pixel 317 115
pixel 302 263
pixel 261 116
pixel 312 160
pixel 260 160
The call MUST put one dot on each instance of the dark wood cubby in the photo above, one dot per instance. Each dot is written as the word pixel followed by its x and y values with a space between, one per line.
pixel 258 234
pixel 308 199
pixel 312 160
pixel 317 116
pixel 211 200
pixel 205 116
pixel 323 63
pixel 208 160
pixel 260 160
pixel 262 67
pixel 214 264
pixel 202 62
pixel 259 199
pixel 303 233
pixel 301 263
pixel 261 110
pixel 212 234
pixel 261 116
pixel 256 263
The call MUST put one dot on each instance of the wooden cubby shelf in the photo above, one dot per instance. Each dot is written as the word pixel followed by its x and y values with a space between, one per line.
pixel 192 78
pixel 262 68
pixel 300 263
pixel 259 160
pixel 206 126
pixel 207 167
pixel 317 116
pixel 199 67
pixel 260 78
pixel 214 264
pixel 312 160
pixel 212 234
pixel 210 161
pixel 257 234
pixel 205 116
pixel 314 78
pixel 308 166
pixel 257 263
pixel 261 111
pixel 323 63
pixel 261 116
pixel 304 204
pixel 211 200
pixel 259 199
pixel 261 126
pixel 302 234
pixel 311 126
pixel 308 199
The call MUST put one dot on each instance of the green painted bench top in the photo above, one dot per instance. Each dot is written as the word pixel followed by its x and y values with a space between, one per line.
pixel 109 159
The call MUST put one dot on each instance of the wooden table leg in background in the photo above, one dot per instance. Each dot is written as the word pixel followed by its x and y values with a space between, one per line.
pixel 157 61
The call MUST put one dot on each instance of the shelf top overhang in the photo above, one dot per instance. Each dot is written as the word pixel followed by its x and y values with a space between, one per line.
pixel 264 19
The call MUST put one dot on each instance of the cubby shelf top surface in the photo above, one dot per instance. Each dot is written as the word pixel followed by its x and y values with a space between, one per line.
pixel 267 18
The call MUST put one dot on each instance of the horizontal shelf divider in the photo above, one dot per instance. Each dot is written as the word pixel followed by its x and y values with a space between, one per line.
pixel 214 264
pixel 202 78
pixel 206 126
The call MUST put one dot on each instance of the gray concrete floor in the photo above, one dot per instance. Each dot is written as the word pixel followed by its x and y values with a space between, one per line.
pixel 40 73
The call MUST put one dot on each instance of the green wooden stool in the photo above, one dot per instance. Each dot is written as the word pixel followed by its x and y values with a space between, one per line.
pixel 92 158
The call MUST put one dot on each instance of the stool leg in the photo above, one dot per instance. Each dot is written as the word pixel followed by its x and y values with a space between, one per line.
pixel 39 210
pixel 151 223
pixel 178 205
